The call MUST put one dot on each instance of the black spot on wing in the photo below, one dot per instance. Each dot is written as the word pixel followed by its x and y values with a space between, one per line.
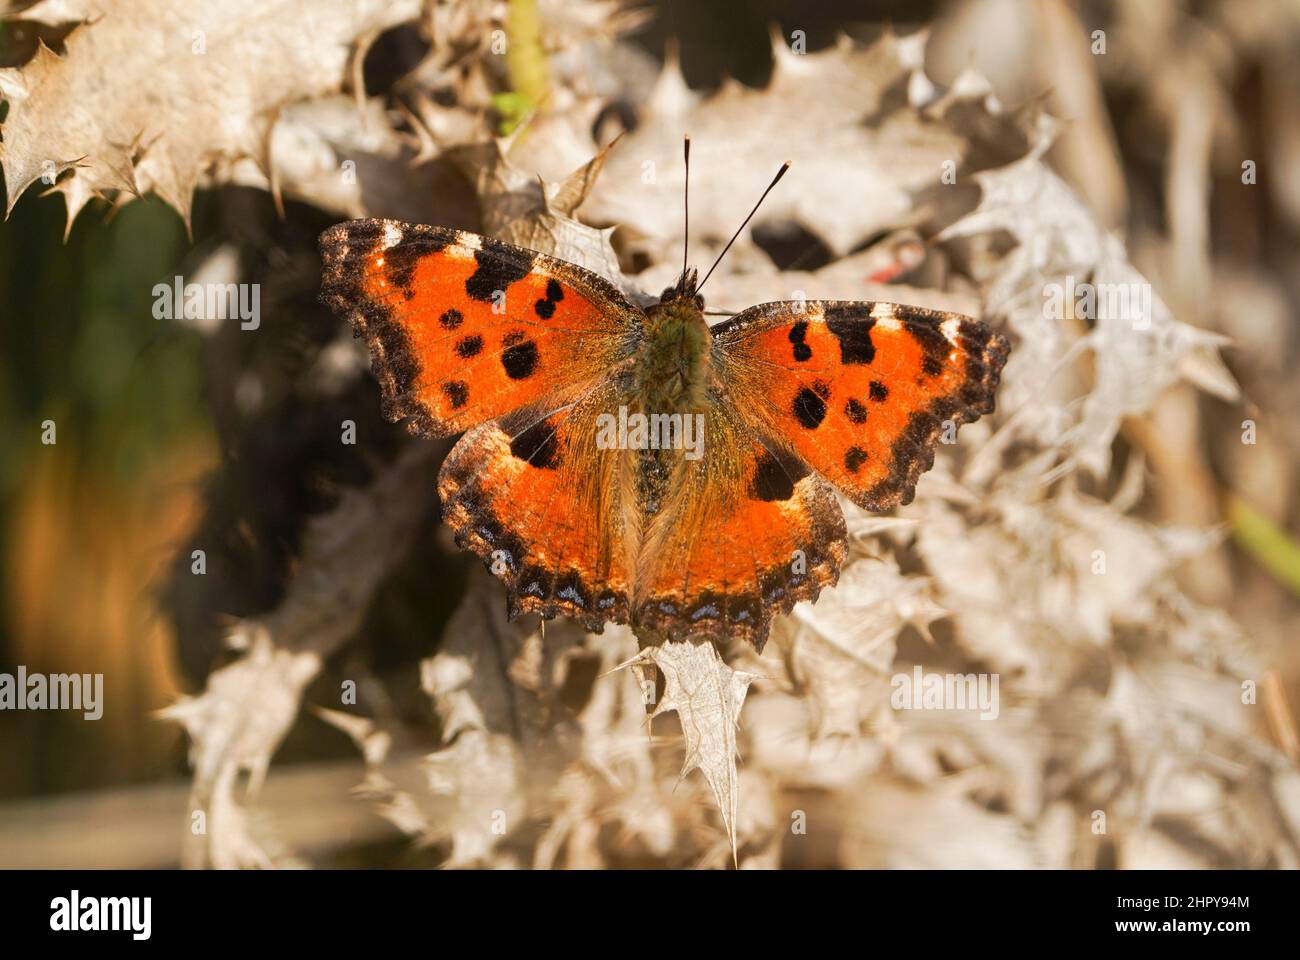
pixel 924 329
pixel 809 409
pixel 855 411
pixel 401 260
pixel 878 391
pixel 498 267
pixel 851 326
pixel 451 319
pixel 520 360
pixel 854 458
pixel 554 294
pixel 798 333
pixel 468 347
pixel 774 480
pixel 537 445
pixel 457 393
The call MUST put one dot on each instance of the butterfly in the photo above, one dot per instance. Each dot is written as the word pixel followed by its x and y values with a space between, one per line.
pixel 640 466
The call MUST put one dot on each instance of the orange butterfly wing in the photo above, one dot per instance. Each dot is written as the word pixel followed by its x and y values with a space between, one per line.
pixel 745 534
pixel 464 328
pixel 861 391
pixel 533 496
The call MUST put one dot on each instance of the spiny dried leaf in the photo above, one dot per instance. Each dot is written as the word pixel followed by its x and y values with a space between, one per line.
pixel 151 93
pixel 707 695
pixel 1138 351
pixel 525 210
pixel 239 720
pixel 234 727
pixel 844 117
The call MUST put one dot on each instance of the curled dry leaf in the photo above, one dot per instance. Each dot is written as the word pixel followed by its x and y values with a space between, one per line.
pixel 1138 348
pixel 841 649
pixel 238 722
pixel 707 696
pixel 208 90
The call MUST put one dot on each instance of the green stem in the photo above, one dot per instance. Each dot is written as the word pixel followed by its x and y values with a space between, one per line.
pixel 525 64
pixel 1270 547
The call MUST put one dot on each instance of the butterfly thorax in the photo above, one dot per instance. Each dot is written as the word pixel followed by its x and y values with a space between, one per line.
pixel 672 367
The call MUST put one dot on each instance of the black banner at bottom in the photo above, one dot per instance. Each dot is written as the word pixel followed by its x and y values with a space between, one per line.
pixel 339 908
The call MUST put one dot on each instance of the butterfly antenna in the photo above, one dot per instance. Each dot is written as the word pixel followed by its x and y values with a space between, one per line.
pixel 775 180
pixel 686 206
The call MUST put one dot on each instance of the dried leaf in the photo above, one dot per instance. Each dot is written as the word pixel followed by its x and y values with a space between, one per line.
pixel 527 211
pixel 239 720
pixel 842 648
pixel 707 696
pixel 845 117
pixel 1138 351
pixel 151 93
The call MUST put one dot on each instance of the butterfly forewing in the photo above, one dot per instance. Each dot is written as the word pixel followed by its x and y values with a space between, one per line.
pixel 861 391
pixel 463 328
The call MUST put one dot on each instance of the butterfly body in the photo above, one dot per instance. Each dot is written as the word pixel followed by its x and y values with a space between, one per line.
pixel 673 370
pixel 639 466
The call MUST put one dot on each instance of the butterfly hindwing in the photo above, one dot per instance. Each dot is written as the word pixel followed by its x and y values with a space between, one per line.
pixel 533 496
pixel 463 328
pixel 861 391
pixel 745 534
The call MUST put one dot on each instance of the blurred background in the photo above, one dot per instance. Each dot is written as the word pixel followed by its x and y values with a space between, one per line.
pixel 158 448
